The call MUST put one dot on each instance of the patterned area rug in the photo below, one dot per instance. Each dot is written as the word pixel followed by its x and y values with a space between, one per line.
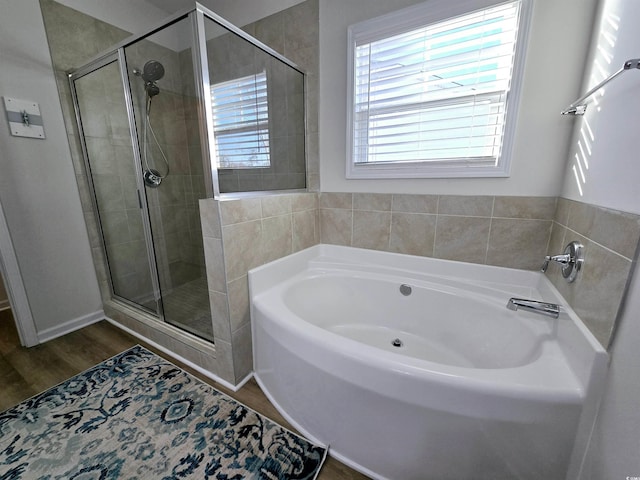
pixel 137 416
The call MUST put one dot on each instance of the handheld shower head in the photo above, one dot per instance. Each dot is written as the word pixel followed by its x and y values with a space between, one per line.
pixel 152 89
pixel 152 71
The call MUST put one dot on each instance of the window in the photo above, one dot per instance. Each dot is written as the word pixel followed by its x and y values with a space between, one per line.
pixel 435 97
pixel 241 122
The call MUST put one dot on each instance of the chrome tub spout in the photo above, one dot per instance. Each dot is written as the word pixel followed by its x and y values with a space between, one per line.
pixel 543 308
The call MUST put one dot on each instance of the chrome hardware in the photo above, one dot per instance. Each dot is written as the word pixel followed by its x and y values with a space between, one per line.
pixel 571 260
pixel 405 289
pixel 543 308
pixel 579 108
pixel 152 178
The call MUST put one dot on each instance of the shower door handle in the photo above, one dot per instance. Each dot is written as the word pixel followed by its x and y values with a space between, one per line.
pixel 139 199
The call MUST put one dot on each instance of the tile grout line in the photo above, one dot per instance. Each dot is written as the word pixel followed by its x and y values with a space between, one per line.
pixel 567 229
pixel 486 251
pixel 435 228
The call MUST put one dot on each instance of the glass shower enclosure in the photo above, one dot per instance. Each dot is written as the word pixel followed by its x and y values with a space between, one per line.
pixel 193 109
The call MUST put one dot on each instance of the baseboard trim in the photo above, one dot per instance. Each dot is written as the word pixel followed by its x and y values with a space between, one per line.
pixel 70 326
pixel 189 363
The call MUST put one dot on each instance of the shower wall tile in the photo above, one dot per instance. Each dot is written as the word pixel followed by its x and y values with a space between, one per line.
pixel 301 26
pixel 76 153
pixel 270 31
pixel 77 37
pixel 610 239
pixel 287 119
pixel 93 230
pixel 85 193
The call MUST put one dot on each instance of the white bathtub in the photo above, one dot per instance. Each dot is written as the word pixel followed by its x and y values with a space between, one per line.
pixel 473 391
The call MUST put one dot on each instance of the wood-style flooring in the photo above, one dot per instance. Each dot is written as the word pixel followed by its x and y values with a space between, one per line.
pixel 24 372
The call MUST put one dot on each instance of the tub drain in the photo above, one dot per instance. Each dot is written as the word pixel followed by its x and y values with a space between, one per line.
pixel 397 342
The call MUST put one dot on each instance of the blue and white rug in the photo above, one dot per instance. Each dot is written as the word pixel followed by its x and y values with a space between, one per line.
pixel 137 416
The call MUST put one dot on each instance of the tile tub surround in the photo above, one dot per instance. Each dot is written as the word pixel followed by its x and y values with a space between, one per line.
pixel 610 238
pixel 241 234
pixel 503 231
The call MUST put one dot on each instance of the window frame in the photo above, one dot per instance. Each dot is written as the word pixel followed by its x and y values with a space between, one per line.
pixel 423 14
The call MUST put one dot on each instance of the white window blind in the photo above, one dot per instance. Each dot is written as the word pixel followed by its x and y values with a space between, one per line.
pixel 436 94
pixel 241 122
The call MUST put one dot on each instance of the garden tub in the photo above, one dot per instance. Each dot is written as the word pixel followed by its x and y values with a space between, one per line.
pixel 413 368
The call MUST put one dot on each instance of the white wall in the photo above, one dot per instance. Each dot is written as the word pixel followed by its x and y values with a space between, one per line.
pixel 615 443
pixel 135 17
pixel 612 181
pixel 38 191
pixel 559 41
pixel 610 126
pixel 139 16
pixel 243 12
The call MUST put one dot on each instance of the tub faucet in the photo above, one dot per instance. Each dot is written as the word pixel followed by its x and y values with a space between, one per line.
pixel 543 308
pixel 571 260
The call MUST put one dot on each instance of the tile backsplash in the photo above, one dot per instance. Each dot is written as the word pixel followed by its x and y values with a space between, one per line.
pixel 504 231
pixel 610 238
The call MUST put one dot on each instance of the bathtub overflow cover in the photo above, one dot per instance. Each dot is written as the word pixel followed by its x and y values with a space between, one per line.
pixel 405 289
pixel 396 342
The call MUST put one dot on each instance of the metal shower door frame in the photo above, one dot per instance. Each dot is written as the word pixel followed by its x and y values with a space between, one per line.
pixel 198 15
pixel 119 57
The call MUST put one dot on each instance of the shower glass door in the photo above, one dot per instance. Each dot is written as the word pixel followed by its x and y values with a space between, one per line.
pixel 109 154
pixel 161 77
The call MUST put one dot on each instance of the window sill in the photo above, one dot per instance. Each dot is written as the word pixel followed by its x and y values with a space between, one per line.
pixel 418 170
